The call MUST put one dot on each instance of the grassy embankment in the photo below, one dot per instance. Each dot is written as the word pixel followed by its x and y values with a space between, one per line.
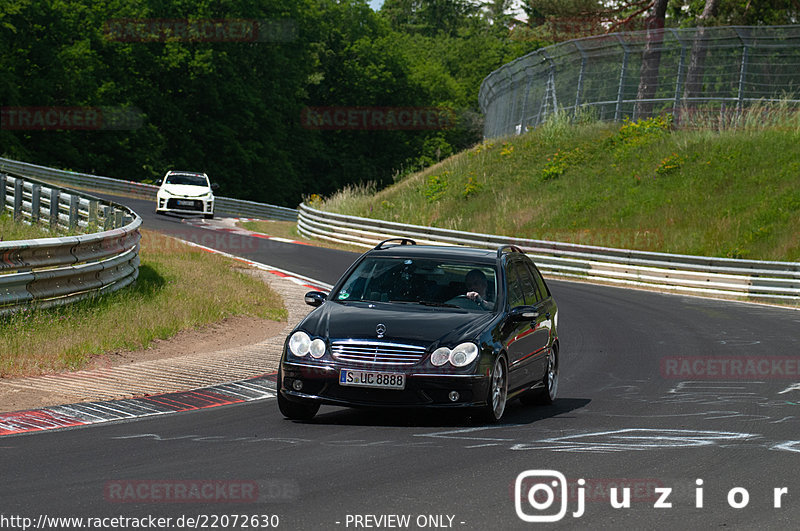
pixel 179 287
pixel 733 192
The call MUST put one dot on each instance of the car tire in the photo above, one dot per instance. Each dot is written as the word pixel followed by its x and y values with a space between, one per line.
pixel 546 395
pixel 208 216
pixel 159 212
pixel 498 391
pixel 297 410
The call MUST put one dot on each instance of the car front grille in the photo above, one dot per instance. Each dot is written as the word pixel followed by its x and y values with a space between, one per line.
pixel 196 204
pixel 376 352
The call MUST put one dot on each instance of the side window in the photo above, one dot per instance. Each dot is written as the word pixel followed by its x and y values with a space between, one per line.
pixel 543 291
pixel 516 297
pixel 527 284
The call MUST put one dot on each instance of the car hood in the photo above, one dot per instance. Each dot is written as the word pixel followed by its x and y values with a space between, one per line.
pixel 185 190
pixel 403 323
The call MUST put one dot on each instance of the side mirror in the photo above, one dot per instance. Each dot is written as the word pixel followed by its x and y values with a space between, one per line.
pixel 215 186
pixel 523 313
pixel 159 181
pixel 315 298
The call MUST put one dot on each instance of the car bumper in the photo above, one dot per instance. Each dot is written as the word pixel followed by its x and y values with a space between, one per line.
pixel 198 206
pixel 321 383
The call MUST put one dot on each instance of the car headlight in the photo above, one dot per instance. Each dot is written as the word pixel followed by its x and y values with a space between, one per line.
pixel 464 354
pixel 317 348
pixel 440 356
pixel 300 344
pixel 461 356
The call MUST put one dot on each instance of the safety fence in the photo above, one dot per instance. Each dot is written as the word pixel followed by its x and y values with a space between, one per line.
pixel 694 73
pixel 222 205
pixel 48 272
pixel 718 277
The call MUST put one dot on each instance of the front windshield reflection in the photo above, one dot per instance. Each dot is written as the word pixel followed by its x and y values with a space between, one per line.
pixel 424 281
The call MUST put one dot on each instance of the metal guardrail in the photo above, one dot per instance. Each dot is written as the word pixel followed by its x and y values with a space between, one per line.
pixel 54 271
pixel 224 205
pixel 718 277
pixel 713 71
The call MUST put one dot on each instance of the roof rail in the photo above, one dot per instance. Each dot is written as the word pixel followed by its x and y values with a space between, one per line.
pixel 403 241
pixel 509 248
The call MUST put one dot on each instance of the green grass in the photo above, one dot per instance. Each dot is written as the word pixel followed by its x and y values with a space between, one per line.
pixel 179 287
pixel 733 192
pixel 10 230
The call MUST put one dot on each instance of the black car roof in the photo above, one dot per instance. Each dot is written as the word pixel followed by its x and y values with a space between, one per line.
pixel 437 251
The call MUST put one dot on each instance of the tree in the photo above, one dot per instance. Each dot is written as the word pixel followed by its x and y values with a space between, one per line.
pixel 694 76
pixel 651 59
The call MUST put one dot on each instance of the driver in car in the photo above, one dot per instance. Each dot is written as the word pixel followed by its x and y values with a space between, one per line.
pixel 476 288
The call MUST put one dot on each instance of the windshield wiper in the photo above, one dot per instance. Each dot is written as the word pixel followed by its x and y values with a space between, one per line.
pixel 439 304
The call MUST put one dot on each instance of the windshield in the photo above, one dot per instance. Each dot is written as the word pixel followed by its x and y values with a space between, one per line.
pixel 185 178
pixel 424 281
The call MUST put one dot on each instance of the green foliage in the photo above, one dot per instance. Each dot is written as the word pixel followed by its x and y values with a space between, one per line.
pixel 472 187
pixel 435 187
pixel 233 109
pixel 670 164
pixel 641 132
pixel 560 162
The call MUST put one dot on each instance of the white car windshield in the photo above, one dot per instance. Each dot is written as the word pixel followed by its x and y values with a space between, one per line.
pixel 186 179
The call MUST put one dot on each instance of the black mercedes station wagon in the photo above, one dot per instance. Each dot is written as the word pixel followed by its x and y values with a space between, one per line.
pixel 431 326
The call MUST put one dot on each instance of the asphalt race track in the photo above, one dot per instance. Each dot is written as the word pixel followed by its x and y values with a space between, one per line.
pixel 641 406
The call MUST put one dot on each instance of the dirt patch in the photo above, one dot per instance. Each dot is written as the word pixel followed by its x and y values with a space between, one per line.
pixel 227 334
pixel 231 332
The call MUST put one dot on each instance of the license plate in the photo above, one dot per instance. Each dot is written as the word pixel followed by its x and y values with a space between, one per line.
pixel 380 380
pixel 184 202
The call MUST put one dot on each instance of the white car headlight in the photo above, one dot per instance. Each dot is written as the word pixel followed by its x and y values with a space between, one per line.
pixel 317 348
pixel 300 344
pixel 464 354
pixel 440 356
pixel 461 356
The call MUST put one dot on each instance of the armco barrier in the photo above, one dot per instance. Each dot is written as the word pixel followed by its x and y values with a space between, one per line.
pixel 224 205
pixel 718 277
pixel 53 271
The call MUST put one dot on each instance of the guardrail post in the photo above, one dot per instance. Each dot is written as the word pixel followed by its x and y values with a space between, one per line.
pixel 107 218
pixel 55 198
pixel 36 202
pixel 93 212
pixel 17 199
pixel 73 211
pixel 2 193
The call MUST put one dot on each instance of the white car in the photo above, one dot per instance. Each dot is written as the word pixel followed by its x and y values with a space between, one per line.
pixel 185 192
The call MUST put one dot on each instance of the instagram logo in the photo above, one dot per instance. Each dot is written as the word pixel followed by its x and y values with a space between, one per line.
pixel 540 488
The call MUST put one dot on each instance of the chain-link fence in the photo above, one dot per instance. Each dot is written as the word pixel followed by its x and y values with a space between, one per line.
pixel 714 71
